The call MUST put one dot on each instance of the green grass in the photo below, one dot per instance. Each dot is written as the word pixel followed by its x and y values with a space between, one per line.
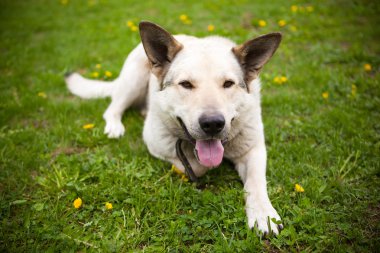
pixel 329 146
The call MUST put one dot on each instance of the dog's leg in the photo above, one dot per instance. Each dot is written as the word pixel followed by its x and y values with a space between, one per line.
pixel 260 212
pixel 123 97
pixel 130 87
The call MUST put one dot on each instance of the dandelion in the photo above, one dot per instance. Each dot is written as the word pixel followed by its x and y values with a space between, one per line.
pixel 183 17
pixel 293 28
pixel 95 74
pixel 367 67
pixel 108 73
pixel 210 28
pixel 77 203
pixel 132 26
pixel 184 178
pixel 294 8
pixel 282 23
pixel 310 8
pixel 262 23
pixel 108 206
pixel 64 2
pixel 42 94
pixel 299 188
pixel 325 95
pixel 280 79
pixel 98 66
pixel 180 173
pixel 176 170
pixel 130 23
pixel 88 126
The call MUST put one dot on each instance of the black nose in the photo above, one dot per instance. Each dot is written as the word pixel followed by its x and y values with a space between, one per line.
pixel 212 124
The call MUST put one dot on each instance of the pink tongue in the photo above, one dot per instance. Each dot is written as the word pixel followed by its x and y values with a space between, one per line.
pixel 210 152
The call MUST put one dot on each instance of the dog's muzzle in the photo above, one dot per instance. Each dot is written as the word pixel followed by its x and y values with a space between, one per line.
pixel 209 153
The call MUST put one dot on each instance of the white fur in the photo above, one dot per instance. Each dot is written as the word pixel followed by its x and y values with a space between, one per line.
pixel 207 62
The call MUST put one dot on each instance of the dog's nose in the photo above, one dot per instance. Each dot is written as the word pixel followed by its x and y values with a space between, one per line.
pixel 212 124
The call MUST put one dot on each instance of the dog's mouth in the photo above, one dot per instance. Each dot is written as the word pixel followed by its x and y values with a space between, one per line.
pixel 208 152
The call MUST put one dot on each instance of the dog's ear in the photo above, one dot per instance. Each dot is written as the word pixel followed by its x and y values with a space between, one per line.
pixel 159 45
pixel 254 53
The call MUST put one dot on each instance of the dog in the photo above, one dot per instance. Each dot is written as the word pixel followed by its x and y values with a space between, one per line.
pixel 203 91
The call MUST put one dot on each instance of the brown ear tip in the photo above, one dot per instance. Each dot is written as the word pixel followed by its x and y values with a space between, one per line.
pixel 148 25
pixel 144 24
pixel 276 34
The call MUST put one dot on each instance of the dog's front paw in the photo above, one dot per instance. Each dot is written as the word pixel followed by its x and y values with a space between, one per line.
pixel 114 129
pixel 261 217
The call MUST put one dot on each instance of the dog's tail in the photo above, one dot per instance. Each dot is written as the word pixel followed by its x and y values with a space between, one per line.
pixel 86 88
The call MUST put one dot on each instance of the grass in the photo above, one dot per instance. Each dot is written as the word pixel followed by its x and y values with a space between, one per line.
pixel 330 146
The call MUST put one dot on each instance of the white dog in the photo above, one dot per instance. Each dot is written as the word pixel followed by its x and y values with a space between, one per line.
pixel 204 92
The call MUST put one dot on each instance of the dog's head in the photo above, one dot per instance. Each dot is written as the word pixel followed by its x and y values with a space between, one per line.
pixel 204 83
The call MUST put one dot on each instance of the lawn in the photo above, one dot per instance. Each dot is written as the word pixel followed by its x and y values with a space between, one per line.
pixel 321 100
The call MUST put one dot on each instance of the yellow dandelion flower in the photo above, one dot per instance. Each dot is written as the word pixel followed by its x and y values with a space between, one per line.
pixel 293 28
pixel 98 66
pixel 277 80
pixel 108 206
pixel 108 73
pixel 130 23
pixel 310 8
pixel 325 95
pixel 134 28
pixel 367 67
pixel 176 170
pixel 210 28
pixel 88 126
pixel 77 203
pixel 282 23
pixel 64 2
pixel 262 23
pixel 42 94
pixel 183 17
pixel 294 8
pixel 280 79
pixel 299 188
pixel 184 178
pixel 180 173
pixel 95 74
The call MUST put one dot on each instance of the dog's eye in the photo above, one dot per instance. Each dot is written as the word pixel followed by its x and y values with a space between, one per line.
pixel 228 84
pixel 186 85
